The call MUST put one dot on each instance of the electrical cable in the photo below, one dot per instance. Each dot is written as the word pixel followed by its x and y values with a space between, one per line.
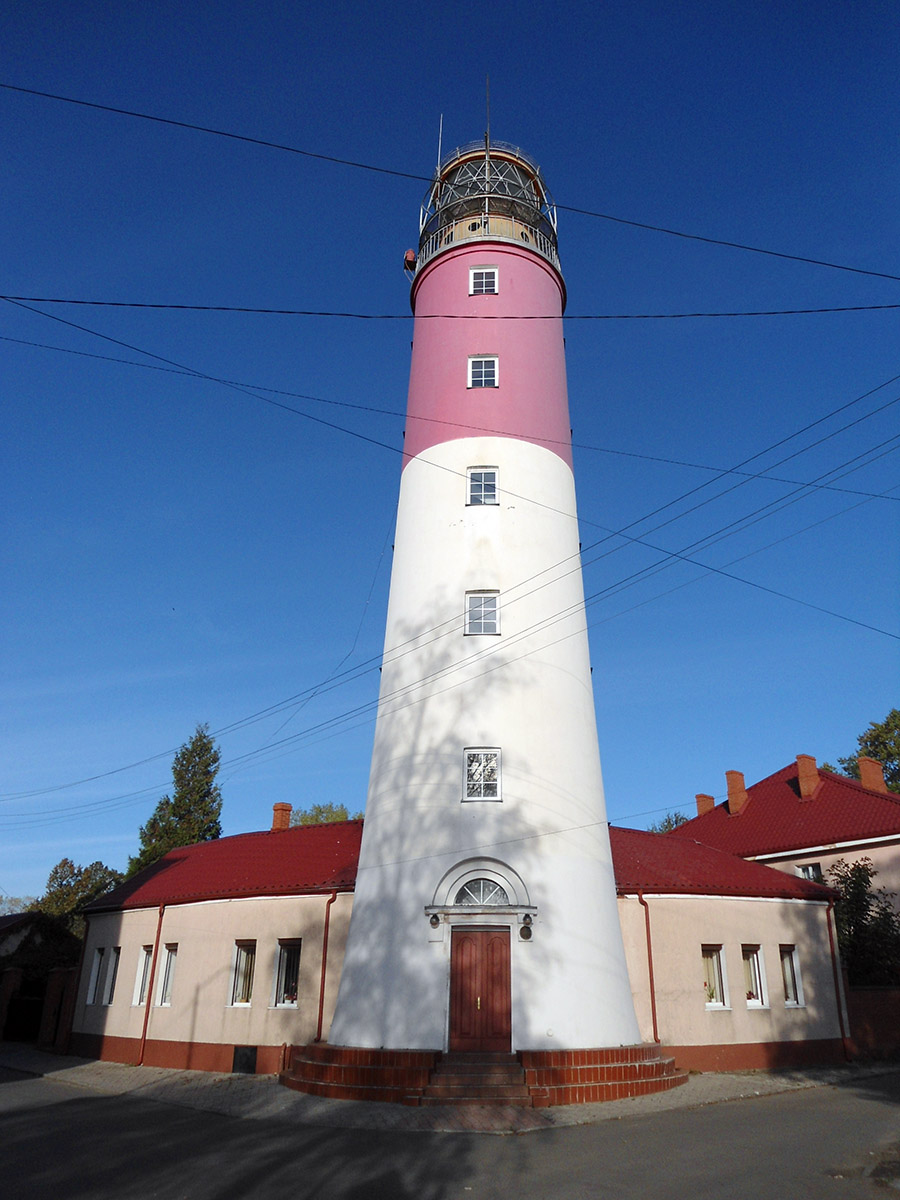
pixel 585 212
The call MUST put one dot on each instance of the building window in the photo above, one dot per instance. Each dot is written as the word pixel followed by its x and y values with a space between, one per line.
pixel 287 972
pixel 482 612
pixel 482 485
pixel 112 972
pixel 482 775
pixel 96 979
pixel 714 977
pixel 142 979
pixel 482 281
pixel 811 871
pixel 481 893
pixel 790 974
pixel 168 975
pixel 483 372
pixel 754 977
pixel 244 962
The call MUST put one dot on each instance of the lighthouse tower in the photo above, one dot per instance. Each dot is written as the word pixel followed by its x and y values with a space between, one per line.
pixel 485 910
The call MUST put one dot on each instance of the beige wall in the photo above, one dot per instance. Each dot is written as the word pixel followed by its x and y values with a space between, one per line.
pixel 206 934
pixel 681 925
pixel 885 858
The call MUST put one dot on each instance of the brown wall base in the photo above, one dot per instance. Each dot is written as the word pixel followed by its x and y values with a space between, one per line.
pixel 758 1056
pixel 184 1056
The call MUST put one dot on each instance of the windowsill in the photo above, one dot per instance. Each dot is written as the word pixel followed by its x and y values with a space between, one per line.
pixel 289 1007
pixel 793 1004
pixel 482 800
pixel 757 1007
pixel 241 1004
pixel 482 387
pixel 718 1008
pixel 469 633
pixel 482 504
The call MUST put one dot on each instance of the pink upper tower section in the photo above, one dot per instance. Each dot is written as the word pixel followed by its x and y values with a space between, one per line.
pixel 488 211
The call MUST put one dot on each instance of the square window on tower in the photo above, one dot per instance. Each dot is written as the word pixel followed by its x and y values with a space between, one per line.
pixel 482 771
pixel 484 372
pixel 482 612
pixel 482 485
pixel 483 281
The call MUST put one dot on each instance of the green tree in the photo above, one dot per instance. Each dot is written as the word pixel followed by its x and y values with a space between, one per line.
pixel 191 814
pixel 868 925
pixel 880 741
pixel 669 822
pixel 323 814
pixel 70 887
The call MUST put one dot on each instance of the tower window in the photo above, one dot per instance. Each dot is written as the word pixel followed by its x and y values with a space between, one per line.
pixel 482 485
pixel 482 612
pixel 483 281
pixel 481 892
pixel 483 372
pixel 482 780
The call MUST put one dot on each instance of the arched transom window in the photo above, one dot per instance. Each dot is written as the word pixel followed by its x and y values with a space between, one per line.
pixel 481 892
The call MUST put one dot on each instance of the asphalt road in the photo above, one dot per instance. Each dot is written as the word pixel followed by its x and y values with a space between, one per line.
pixel 60 1141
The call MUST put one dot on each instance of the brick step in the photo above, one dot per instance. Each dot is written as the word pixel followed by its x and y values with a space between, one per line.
pixel 472 1081
pixel 438 1087
pixel 488 1101
pixel 377 1076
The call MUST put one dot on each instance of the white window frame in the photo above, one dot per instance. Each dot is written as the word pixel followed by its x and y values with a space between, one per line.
pixel 167 976
pixel 142 978
pixel 713 956
pixel 788 954
pixel 484 358
pixel 243 968
pixel 285 947
pixel 754 976
pixel 479 613
pixel 474 487
pixel 482 272
pixel 483 753
pixel 811 871
pixel 95 983
pixel 112 974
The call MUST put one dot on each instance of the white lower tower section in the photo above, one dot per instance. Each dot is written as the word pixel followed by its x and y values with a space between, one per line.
pixel 525 692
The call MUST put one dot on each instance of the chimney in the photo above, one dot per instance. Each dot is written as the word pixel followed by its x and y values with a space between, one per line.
pixel 807 775
pixel 871 774
pixel 705 804
pixel 281 817
pixel 737 793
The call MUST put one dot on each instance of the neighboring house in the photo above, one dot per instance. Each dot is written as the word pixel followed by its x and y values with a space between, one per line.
pixel 733 966
pixel 224 953
pixel 802 819
pixel 32 947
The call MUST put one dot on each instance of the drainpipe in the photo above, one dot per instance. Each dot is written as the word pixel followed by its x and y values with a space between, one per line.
pixel 149 1000
pixel 331 900
pixel 838 987
pixel 646 907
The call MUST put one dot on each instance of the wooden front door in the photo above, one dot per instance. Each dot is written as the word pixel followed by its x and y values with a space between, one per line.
pixel 480 1000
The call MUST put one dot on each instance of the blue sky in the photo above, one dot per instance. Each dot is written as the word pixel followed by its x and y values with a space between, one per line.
pixel 177 551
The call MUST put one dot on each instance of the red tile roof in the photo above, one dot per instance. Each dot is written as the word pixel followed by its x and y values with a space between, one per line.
pixel 321 858
pixel 657 862
pixel 304 859
pixel 775 819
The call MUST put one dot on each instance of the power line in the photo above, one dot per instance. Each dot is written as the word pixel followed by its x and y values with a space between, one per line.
pixel 238 137
pixel 394 412
pixel 611 533
pixel 358 316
